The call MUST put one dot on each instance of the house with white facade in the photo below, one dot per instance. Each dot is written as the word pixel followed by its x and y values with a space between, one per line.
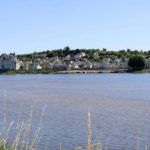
pixel 9 62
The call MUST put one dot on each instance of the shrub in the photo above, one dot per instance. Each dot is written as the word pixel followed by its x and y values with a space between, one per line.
pixel 136 62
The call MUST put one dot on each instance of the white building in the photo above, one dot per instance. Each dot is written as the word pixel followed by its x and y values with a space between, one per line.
pixel 147 65
pixel 9 62
pixel 80 55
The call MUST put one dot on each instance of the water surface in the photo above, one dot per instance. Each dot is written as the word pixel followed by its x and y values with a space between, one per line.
pixel 119 105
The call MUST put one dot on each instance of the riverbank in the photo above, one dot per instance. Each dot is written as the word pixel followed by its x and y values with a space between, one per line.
pixel 13 72
pixel 102 71
pixel 91 71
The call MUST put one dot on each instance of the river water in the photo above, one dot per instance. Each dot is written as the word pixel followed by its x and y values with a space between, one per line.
pixel 119 106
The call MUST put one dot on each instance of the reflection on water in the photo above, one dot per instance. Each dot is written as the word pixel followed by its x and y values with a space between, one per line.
pixel 119 105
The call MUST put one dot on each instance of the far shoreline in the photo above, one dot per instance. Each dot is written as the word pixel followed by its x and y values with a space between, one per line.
pixel 15 72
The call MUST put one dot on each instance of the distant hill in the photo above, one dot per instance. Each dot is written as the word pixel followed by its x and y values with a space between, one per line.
pixel 91 54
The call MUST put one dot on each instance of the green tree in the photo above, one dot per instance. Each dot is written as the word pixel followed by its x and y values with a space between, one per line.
pixel 66 50
pixel 136 62
pixel 104 49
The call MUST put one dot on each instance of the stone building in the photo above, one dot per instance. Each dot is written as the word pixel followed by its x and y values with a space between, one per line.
pixel 9 62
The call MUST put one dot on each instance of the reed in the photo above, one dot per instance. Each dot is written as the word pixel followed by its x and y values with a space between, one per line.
pixel 21 140
pixel 137 143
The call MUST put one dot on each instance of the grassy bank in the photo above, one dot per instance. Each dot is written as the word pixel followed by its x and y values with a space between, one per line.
pixel 13 72
pixel 139 71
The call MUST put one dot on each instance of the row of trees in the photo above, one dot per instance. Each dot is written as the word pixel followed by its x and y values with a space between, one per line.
pixel 90 53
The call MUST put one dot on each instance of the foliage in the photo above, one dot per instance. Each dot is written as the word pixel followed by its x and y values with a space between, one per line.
pixel 137 62
pixel 101 53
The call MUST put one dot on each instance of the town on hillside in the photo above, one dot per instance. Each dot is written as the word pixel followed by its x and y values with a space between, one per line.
pixel 66 59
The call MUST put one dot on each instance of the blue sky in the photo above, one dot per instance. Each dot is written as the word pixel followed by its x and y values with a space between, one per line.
pixel 35 25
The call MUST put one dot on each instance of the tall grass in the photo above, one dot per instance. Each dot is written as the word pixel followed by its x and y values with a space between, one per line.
pixel 21 140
